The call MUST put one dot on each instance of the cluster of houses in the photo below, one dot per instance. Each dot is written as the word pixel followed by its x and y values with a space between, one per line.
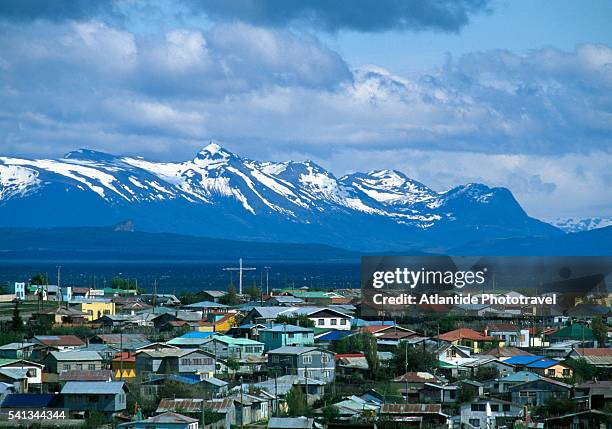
pixel 245 360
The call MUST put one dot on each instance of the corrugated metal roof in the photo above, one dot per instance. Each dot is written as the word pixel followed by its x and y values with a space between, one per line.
pixel 76 356
pixel 191 405
pixel 411 409
pixel 523 360
pixel 92 387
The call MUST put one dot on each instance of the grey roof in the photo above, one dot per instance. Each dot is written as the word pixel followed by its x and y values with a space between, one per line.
pixel 283 384
pixel 290 423
pixel 15 373
pixel 76 355
pixel 16 346
pixel 206 304
pixel 279 327
pixel 215 381
pixel 286 298
pixel 293 350
pixel 92 387
pixel 214 293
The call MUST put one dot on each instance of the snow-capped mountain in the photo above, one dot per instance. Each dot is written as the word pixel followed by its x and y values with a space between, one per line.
pixel 573 224
pixel 220 194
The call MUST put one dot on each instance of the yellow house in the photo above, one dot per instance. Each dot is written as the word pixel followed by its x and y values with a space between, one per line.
pixel 219 322
pixel 95 308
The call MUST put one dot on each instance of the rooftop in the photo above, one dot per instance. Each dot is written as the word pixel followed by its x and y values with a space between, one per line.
pixel 92 387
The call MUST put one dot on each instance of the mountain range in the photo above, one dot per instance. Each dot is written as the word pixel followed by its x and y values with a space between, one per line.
pixel 219 194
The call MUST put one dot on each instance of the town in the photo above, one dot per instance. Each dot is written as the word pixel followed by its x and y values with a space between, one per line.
pixel 122 357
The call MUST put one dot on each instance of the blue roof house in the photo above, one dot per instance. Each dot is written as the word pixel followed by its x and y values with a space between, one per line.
pixel 286 335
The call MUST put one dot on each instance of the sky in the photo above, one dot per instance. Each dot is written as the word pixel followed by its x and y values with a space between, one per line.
pixel 507 93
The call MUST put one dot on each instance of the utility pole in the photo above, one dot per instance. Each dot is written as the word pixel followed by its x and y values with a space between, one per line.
pixel 240 270
pixel 405 375
pixel 241 403
pixel 267 280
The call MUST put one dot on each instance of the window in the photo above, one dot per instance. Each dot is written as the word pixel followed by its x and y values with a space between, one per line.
pixel 550 372
pixel 291 335
pixel 274 359
pixel 66 367
pixel 506 408
pixel 495 407
pixel 307 360
pixel 321 322
pixel 343 321
pixel 79 366
pixel 478 407
pixel 566 372
pixel 475 422
pixel 334 322
pixel 324 358
pixel 91 367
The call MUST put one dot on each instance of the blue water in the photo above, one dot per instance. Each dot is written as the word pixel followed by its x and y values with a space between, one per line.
pixel 175 277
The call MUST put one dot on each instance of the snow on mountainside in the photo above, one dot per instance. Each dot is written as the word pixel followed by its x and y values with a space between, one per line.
pixel 219 193
pixel 573 224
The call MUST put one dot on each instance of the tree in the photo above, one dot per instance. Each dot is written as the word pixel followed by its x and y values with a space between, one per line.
pixel 364 343
pixel 17 321
pixel 231 298
pixel 465 395
pixel 330 414
pixel 447 323
pixel 556 407
pixel 600 330
pixel 233 365
pixel 296 402
pixel 486 373
pixel 254 292
pixel 95 419
pixel 121 283
pixel 406 359
pixel 583 370
pixel 299 320
pixel 39 279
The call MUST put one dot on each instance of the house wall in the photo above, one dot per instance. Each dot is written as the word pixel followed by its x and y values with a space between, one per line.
pixel 319 364
pixel 274 340
pixel 498 418
pixel 335 322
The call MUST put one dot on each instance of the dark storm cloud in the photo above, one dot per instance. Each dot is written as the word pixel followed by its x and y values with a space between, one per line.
pixel 358 15
pixel 30 10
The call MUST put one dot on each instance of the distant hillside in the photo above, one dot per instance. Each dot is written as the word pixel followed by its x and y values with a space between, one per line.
pixel 93 243
pixel 597 242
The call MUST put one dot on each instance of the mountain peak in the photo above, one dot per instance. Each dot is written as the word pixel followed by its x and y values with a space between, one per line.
pixel 213 151
pixel 89 155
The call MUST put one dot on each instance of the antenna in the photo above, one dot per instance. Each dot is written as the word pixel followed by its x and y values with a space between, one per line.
pixel 240 269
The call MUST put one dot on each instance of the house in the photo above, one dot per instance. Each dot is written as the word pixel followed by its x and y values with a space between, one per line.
pixel 415 380
pixel 163 421
pixel 123 365
pixel 224 408
pixel 600 358
pixel 502 385
pixel 291 422
pixel 466 337
pixel 32 401
pixel 379 330
pixel 416 415
pixel 58 342
pixel 521 362
pixel 576 332
pixel 86 375
pixel 350 364
pixel 22 350
pixel 207 307
pixel 326 318
pixel 311 362
pixel 582 419
pixel 438 393
pixel 551 368
pixel 508 334
pixel 251 408
pixel 538 392
pixel 284 301
pixel 490 412
pixel 599 394
pixel 94 308
pixel 175 361
pixel 224 347
pixel 280 386
pixel 57 362
pixel 60 316
pixel 108 397
pixel 212 295
pixel 191 340
pixel 280 335
pixel 503 353
pixel 16 378
pixel 34 370
pixel 121 341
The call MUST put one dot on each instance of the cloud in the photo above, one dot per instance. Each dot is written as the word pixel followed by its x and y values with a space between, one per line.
pixel 358 15
pixel 540 121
